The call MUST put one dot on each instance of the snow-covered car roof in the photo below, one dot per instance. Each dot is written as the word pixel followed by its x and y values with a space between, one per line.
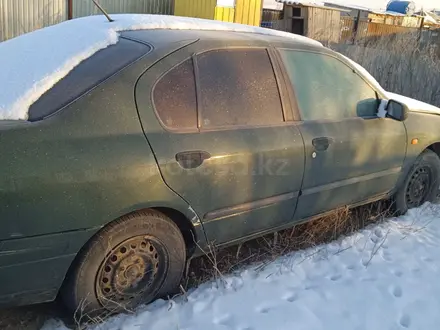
pixel 33 63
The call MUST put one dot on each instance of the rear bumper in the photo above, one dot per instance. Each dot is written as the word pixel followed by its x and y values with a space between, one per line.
pixel 33 269
pixel 33 282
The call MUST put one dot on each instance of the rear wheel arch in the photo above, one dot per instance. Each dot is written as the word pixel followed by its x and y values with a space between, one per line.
pixel 183 223
pixel 178 218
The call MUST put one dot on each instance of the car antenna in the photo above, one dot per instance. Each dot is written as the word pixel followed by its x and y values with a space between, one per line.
pixel 102 10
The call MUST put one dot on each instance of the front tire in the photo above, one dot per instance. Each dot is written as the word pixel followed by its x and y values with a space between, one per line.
pixel 421 184
pixel 131 261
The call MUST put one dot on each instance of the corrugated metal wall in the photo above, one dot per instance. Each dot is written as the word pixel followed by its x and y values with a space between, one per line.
pixel 21 16
pixel 248 12
pixel 245 11
pixel 225 14
pixel 86 7
pixel 195 8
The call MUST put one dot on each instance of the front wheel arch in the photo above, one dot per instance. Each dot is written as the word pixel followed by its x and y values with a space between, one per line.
pixel 429 160
pixel 435 147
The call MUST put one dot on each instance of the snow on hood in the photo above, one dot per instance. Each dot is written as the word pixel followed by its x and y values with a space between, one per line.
pixel 32 63
pixel 413 104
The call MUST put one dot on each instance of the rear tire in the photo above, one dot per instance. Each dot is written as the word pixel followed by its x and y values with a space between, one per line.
pixel 421 184
pixel 131 261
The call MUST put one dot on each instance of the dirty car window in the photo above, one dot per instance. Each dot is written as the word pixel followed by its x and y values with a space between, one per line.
pixel 326 88
pixel 238 87
pixel 174 97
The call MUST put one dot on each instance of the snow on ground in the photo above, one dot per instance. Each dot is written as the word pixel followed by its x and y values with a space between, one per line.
pixel 384 278
pixel 32 63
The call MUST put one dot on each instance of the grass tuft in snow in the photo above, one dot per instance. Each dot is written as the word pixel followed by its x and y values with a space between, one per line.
pixel 264 250
pixel 392 263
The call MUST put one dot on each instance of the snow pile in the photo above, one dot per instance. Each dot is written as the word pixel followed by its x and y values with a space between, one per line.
pixel 382 278
pixel 32 63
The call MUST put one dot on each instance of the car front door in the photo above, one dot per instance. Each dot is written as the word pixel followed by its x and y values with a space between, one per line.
pixel 216 124
pixel 351 154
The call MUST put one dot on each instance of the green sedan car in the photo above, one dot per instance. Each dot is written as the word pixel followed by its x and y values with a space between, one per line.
pixel 171 140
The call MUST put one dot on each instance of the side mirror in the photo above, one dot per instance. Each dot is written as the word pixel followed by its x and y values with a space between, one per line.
pixel 397 110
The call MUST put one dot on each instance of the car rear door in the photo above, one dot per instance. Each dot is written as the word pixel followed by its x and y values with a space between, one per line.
pixel 216 123
pixel 351 154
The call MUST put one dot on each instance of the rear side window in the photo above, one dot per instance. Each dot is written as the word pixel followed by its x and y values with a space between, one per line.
pixel 326 88
pixel 174 97
pixel 238 87
pixel 87 75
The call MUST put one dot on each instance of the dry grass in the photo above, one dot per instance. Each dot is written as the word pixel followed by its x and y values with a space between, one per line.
pixel 401 64
pixel 27 318
pixel 215 264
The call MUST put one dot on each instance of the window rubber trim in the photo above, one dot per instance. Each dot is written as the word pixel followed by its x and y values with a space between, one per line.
pixel 292 89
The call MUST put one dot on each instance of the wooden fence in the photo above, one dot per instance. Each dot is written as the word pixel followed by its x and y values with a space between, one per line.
pixel 367 32
pixel 364 32
pixel 272 19
pixel 347 29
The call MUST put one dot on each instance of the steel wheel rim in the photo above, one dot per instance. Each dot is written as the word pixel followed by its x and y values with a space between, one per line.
pixel 132 271
pixel 418 187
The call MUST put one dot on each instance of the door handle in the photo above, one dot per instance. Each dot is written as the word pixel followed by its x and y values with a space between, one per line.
pixel 322 143
pixel 192 159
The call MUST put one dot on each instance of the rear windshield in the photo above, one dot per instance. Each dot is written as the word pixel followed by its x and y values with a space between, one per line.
pixel 87 75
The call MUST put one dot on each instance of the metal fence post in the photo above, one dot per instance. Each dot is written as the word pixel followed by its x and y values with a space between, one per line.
pixel 356 26
pixel 422 24
pixel 69 9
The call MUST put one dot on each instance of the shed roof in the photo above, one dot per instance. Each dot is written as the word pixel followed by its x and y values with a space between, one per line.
pixel 314 4
pixel 349 6
pixel 365 9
